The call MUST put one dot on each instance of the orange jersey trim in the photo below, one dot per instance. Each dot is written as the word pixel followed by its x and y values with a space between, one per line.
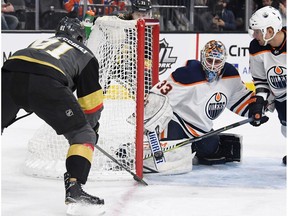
pixel 192 131
pixel 247 102
pixel 231 77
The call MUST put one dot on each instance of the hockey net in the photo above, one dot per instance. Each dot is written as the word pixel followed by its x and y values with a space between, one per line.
pixel 127 52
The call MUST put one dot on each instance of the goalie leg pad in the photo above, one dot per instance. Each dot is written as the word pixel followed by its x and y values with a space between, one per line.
pixel 229 150
pixel 231 147
pixel 178 161
pixel 209 160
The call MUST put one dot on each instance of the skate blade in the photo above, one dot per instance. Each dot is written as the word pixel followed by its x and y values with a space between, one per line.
pixel 78 209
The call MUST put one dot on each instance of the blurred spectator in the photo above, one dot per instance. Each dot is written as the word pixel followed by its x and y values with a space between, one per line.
pixel 269 3
pixel 30 14
pixel 30 3
pixel 203 21
pixel 50 13
pixel 256 5
pixel 282 9
pixel 223 18
pixel 139 9
pixel 266 3
pixel 238 9
pixel 8 21
pixel 273 3
pixel 217 18
pixel 119 4
pixel 262 3
pixel 75 8
pixel 200 2
pixel 278 4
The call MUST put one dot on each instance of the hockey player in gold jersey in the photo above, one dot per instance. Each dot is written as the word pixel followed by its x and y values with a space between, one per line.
pixel 41 79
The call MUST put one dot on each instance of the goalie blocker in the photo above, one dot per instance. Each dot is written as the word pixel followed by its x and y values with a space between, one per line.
pixel 229 150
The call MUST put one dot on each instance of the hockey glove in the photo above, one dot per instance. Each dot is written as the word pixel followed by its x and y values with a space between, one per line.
pixel 256 110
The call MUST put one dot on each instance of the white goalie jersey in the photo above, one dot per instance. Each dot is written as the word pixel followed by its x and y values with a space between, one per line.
pixel 196 102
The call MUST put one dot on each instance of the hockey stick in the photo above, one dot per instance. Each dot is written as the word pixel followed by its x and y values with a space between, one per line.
pixel 149 169
pixel 137 178
pixel 209 134
pixel 156 150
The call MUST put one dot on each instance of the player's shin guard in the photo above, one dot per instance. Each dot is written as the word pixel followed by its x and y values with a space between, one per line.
pixel 78 162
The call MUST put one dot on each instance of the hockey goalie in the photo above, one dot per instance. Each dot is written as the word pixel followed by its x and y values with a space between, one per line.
pixel 186 104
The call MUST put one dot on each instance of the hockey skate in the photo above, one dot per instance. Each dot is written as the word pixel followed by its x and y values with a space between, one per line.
pixel 284 160
pixel 78 201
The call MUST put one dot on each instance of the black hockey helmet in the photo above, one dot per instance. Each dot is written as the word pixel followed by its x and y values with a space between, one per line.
pixel 141 5
pixel 71 27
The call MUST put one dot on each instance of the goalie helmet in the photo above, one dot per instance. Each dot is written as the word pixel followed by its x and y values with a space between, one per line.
pixel 141 5
pixel 264 18
pixel 213 58
pixel 71 27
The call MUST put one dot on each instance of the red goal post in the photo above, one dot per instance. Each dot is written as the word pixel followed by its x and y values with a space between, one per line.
pixel 141 24
pixel 128 56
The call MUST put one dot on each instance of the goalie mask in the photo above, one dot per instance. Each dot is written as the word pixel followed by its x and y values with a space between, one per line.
pixel 141 9
pixel 264 18
pixel 71 27
pixel 213 58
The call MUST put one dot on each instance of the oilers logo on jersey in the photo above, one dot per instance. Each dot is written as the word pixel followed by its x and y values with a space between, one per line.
pixel 277 77
pixel 215 105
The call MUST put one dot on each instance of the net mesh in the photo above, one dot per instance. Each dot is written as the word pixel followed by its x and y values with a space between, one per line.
pixel 114 43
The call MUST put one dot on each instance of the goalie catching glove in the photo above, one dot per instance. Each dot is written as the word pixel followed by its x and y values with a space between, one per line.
pixel 157 112
pixel 257 111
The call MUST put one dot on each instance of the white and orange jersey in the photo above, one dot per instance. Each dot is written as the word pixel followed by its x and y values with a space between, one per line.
pixel 196 102
pixel 268 68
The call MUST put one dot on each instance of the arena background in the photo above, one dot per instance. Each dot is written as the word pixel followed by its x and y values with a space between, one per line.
pixel 175 49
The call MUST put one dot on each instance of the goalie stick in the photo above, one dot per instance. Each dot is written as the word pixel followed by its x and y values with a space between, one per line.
pixel 191 140
pixel 137 178
pixel 156 150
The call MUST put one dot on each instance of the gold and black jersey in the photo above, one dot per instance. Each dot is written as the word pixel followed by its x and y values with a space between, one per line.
pixel 65 60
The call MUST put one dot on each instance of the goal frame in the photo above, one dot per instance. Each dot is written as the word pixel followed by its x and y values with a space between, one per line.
pixel 140 81
pixel 124 103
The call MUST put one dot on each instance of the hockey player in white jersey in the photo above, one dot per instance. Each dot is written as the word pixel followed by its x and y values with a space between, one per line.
pixel 268 64
pixel 198 93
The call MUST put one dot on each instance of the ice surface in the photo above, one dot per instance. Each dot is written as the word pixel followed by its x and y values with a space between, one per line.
pixel 255 187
